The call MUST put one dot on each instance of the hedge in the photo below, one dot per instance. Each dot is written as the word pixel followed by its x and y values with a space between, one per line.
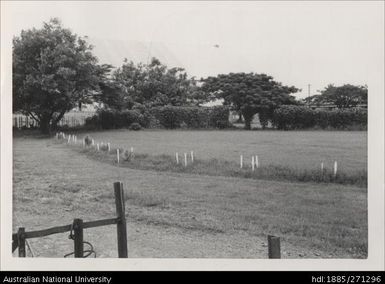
pixel 110 119
pixel 170 117
pixel 301 117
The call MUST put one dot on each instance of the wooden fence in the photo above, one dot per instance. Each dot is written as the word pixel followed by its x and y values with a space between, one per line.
pixel 71 119
pixel 77 227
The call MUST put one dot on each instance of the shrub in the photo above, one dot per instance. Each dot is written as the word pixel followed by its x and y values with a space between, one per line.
pixel 167 116
pixel 110 119
pixel 135 126
pixel 301 117
pixel 191 117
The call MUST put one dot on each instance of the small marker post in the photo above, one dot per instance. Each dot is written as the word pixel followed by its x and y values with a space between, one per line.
pixel 252 163
pixel 117 154
pixel 109 146
pixel 97 146
pixel 241 161
pixel 335 168
pixel 256 161
pixel 177 158
pixel 322 167
pixel 192 156
pixel 185 159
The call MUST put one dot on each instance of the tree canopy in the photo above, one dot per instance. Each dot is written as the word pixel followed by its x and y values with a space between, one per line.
pixel 53 71
pixel 151 85
pixel 250 93
pixel 345 96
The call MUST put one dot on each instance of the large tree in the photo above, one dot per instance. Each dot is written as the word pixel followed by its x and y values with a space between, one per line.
pixel 150 85
pixel 54 70
pixel 250 93
pixel 345 96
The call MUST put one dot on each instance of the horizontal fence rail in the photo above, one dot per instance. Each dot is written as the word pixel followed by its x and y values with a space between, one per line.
pixel 19 238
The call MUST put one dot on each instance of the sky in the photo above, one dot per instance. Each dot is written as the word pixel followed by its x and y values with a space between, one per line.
pixel 298 43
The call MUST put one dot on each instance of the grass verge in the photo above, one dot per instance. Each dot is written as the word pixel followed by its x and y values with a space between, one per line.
pixel 216 167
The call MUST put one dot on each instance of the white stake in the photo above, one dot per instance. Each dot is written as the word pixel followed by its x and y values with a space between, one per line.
pixel 322 167
pixel 192 156
pixel 97 146
pixel 93 142
pixel 241 161
pixel 185 159
pixel 73 138
pixel 256 161
pixel 117 154
pixel 109 146
pixel 64 136
pixel 252 163
pixel 69 139
pixel 177 158
pixel 335 168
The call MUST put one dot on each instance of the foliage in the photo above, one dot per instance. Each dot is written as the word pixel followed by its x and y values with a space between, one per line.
pixel 53 71
pixel 168 117
pixel 250 93
pixel 135 126
pixel 150 85
pixel 192 117
pixel 301 117
pixel 112 119
pixel 345 96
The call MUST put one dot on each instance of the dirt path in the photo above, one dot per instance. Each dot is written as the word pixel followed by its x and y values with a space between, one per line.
pixel 53 184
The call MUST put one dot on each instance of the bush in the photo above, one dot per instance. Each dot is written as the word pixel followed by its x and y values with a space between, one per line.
pixel 301 117
pixel 111 119
pixel 192 117
pixel 170 117
pixel 135 126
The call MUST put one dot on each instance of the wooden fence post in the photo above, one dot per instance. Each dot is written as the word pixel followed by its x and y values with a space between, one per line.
pixel 274 247
pixel 121 224
pixel 21 241
pixel 78 237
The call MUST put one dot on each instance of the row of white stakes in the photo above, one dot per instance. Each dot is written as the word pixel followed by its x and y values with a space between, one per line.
pixel 73 138
pixel 254 159
pixel 255 164
pixel 185 158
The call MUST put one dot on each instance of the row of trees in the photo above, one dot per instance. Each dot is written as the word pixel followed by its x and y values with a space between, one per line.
pixel 54 71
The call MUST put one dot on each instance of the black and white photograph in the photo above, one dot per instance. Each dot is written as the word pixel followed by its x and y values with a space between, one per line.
pixel 193 130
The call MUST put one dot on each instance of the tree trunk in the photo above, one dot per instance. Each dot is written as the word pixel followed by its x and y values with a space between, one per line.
pixel 248 118
pixel 247 124
pixel 45 125
pixel 240 120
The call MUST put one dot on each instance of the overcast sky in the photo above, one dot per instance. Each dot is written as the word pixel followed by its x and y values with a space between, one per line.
pixel 298 43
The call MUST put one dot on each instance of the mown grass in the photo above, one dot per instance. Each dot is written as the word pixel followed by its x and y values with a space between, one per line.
pixel 216 167
pixel 54 184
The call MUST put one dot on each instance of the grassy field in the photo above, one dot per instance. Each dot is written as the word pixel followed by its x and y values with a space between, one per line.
pixel 184 215
pixel 296 149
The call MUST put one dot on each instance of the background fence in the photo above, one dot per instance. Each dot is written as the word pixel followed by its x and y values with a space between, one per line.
pixel 71 119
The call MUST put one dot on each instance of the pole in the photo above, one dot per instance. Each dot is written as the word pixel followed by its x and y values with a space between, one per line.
pixel 21 241
pixel 274 247
pixel 121 224
pixel 78 237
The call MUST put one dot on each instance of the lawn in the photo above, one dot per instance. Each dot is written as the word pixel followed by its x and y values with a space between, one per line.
pixel 296 149
pixel 186 215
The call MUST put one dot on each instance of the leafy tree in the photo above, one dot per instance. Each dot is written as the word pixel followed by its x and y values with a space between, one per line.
pixel 250 93
pixel 152 85
pixel 345 96
pixel 53 72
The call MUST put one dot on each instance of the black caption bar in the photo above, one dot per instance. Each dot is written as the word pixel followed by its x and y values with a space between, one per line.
pixel 111 277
